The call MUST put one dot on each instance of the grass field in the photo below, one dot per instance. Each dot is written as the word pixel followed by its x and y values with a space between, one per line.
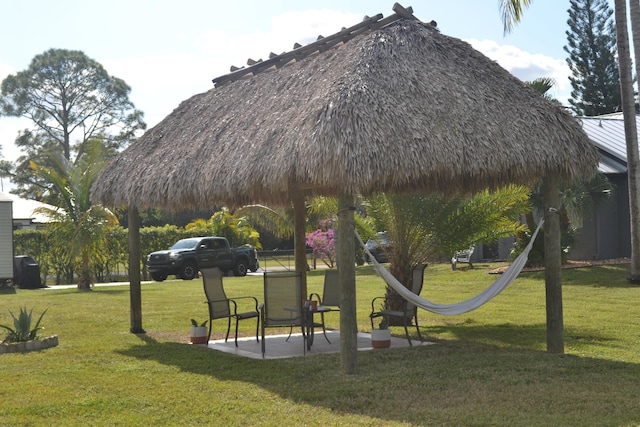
pixel 488 367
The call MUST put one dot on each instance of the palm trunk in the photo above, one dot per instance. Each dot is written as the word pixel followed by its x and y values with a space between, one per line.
pixel 84 279
pixel 630 129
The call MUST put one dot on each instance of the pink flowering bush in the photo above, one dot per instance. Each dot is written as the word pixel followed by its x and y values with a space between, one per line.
pixel 323 245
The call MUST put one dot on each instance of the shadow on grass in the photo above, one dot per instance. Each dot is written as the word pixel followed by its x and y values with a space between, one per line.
pixel 512 335
pixel 481 382
pixel 598 276
pixel 102 291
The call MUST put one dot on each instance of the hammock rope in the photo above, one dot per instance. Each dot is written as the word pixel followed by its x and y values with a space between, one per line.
pixel 461 307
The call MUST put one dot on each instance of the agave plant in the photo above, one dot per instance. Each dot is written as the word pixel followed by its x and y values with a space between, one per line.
pixel 194 322
pixel 22 330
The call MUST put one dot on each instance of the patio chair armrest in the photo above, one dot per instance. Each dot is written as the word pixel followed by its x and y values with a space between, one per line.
pixel 312 294
pixel 235 303
pixel 246 297
pixel 373 302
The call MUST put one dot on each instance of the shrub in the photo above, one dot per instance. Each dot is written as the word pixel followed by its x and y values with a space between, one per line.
pixel 22 330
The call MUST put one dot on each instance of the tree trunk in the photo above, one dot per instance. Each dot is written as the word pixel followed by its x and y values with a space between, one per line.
pixel 84 279
pixel 553 264
pixel 347 279
pixel 630 130
pixel 135 292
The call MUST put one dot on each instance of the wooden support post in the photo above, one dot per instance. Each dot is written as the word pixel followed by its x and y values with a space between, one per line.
pixel 299 238
pixel 347 278
pixel 135 293
pixel 553 264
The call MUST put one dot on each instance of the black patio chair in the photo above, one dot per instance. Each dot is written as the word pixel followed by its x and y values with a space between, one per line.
pixel 402 309
pixel 221 307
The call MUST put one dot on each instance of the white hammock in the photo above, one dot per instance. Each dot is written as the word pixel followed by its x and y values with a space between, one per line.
pixel 465 306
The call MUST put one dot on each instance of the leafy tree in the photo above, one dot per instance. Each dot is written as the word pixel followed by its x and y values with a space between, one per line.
pixel 79 226
pixel 591 45
pixel 322 242
pixel 319 211
pixel 235 228
pixel 70 100
pixel 542 85
pixel 280 221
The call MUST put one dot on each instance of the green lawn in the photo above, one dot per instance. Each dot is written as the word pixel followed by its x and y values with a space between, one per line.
pixel 489 367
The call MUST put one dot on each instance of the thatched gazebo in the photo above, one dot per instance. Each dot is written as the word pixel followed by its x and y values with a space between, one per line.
pixel 390 104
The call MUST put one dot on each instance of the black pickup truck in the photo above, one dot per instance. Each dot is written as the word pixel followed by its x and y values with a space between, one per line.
pixel 187 256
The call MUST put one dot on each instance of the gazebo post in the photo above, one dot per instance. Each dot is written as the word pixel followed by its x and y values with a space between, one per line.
pixel 553 264
pixel 135 294
pixel 299 240
pixel 347 278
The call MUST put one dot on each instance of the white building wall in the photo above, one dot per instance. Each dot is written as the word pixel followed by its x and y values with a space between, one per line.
pixel 6 238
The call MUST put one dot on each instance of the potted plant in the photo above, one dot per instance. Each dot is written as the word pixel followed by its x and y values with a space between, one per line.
pixel 381 337
pixel 198 334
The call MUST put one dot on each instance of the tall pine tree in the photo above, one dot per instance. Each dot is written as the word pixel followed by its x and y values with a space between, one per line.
pixel 592 49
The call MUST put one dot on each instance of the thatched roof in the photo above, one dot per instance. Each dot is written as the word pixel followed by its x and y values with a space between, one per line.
pixel 391 106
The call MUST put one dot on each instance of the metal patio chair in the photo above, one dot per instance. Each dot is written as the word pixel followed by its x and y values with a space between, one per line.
pixel 330 299
pixel 283 303
pixel 221 307
pixel 406 310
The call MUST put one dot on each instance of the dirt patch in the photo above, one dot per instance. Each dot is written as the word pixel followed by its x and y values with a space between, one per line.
pixel 569 264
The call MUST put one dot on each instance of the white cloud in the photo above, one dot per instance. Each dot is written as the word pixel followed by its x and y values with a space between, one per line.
pixel 159 83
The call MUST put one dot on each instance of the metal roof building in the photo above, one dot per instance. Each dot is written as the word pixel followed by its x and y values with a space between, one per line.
pixel 606 234
pixel 606 132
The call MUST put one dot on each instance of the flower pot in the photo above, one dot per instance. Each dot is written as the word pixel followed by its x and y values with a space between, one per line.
pixel 380 338
pixel 198 334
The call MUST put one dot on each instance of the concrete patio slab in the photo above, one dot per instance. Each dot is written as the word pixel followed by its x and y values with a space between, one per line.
pixel 277 346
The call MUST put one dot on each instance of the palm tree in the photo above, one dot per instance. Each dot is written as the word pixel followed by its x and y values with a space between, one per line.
pixel 78 225
pixel 234 227
pixel 630 127
pixel 511 11
pixel 421 226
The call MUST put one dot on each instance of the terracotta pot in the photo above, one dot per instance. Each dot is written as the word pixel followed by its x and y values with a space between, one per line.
pixel 380 338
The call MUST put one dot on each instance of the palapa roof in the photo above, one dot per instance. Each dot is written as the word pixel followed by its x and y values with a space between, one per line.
pixel 390 104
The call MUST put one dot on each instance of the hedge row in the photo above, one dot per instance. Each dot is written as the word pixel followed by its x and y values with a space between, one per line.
pixel 111 264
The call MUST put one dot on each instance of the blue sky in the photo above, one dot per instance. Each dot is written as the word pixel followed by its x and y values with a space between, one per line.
pixel 168 51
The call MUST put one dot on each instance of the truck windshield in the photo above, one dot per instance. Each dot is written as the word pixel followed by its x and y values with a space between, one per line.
pixel 185 244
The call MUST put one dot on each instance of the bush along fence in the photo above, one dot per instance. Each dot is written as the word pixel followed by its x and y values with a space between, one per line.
pixel 109 264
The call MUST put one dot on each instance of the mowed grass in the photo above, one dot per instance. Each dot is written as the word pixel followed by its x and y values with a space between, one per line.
pixel 488 367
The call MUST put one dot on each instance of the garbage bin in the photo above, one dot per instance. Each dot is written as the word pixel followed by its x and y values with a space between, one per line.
pixel 26 272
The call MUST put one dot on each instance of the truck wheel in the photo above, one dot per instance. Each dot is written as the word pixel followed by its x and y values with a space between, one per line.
pixel 240 268
pixel 158 277
pixel 188 271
